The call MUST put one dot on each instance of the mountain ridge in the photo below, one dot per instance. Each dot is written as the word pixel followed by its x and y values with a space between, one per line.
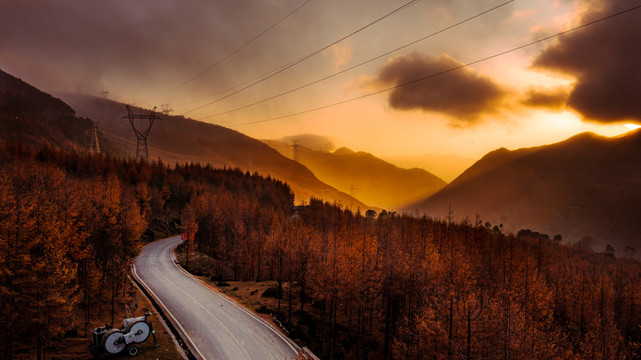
pixel 32 116
pixel 376 181
pixel 180 139
pixel 580 186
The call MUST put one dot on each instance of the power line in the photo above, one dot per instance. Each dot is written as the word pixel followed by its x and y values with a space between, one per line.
pixel 408 4
pixel 234 87
pixel 448 70
pixel 201 73
pixel 362 63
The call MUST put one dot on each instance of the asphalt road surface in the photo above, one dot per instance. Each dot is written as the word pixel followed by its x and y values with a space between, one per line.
pixel 214 326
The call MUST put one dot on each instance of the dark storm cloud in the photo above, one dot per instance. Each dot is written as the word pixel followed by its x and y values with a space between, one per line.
pixel 604 58
pixel 144 43
pixel 312 141
pixel 462 94
pixel 546 99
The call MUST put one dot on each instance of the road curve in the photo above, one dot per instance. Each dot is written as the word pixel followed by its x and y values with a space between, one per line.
pixel 215 326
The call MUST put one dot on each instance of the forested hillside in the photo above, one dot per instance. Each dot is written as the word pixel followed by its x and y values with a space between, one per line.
pixel 70 224
pixel 30 116
pixel 352 286
pixel 176 139
pixel 398 287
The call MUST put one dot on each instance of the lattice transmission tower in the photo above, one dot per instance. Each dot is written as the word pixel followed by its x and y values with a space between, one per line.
pixel 352 190
pixel 95 144
pixel 146 121
pixel 166 109
pixel 295 150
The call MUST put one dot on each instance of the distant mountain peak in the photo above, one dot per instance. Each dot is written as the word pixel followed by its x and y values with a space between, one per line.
pixel 344 151
pixel 586 135
pixel 498 152
pixel 371 179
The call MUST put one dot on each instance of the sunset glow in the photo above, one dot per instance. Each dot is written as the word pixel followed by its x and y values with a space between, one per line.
pixel 299 77
pixel 320 179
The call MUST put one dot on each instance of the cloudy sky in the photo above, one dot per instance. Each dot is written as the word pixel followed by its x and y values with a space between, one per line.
pixel 392 77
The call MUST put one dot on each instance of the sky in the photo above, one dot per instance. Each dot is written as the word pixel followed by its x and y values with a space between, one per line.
pixel 437 76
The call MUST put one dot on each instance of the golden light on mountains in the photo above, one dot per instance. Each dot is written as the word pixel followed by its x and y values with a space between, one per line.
pixel 385 179
pixel 276 69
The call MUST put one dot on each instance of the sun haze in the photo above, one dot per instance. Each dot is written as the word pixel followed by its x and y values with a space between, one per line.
pixel 393 78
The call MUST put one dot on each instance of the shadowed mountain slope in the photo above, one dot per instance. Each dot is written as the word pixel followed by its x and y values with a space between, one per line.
pixel 585 185
pixel 179 139
pixel 374 181
pixel 30 116
pixel 445 166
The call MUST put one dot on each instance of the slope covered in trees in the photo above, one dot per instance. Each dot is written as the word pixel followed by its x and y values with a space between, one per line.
pixel 585 185
pixel 353 286
pixel 70 224
pixel 30 116
pixel 179 139
pixel 360 287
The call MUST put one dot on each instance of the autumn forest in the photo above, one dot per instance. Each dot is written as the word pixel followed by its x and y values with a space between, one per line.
pixel 351 284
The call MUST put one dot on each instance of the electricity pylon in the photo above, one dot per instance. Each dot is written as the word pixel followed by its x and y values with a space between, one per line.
pixel 95 145
pixel 295 149
pixel 166 109
pixel 352 190
pixel 141 134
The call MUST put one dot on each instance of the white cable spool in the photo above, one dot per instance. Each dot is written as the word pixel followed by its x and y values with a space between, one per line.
pixel 140 329
pixel 114 341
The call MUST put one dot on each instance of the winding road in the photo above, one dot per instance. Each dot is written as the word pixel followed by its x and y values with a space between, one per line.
pixel 214 326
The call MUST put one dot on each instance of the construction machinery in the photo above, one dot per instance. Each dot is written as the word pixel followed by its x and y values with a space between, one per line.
pixel 113 341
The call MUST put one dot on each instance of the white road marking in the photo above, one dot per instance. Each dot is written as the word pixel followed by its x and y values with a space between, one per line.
pixel 173 260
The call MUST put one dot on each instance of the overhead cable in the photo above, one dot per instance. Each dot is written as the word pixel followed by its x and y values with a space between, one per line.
pixel 362 63
pixel 433 75
pixel 290 65
pixel 256 37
